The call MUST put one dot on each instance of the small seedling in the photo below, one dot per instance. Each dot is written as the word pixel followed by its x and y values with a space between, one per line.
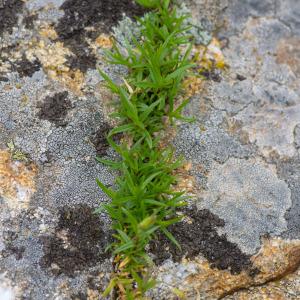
pixel 144 201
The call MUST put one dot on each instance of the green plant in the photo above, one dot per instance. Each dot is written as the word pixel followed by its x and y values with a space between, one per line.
pixel 144 201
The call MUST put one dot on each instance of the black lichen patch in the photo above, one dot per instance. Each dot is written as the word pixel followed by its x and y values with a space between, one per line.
pixel 26 68
pixel 9 238
pixel 55 108
pixel 99 139
pixel 80 14
pixel 78 243
pixel 83 58
pixel 213 75
pixel 79 296
pixel 12 250
pixel 4 79
pixel 200 236
pixel 9 10
pixel 28 21
pixel 98 15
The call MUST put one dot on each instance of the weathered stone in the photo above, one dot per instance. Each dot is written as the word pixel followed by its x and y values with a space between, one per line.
pixel 297 136
pixel 271 125
pixel 288 52
pixel 283 289
pixel 288 12
pixel 196 280
pixel 243 149
pixel 289 170
pixel 6 290
pixel 250 198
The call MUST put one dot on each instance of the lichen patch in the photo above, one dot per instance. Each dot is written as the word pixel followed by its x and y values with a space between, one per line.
pixel 17 183
pixel 48 32
pixel 192 85
pixel 53 58
pixel 208 59
pixel 104 41
pixel 210 56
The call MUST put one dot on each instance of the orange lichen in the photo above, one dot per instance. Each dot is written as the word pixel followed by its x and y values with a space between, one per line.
pixel 72 79
pixel 104 41
pixel 186 182
pixel 192 85
pixel 16 181
pixel 206 58
pixel 211 56
pixel 53 58
pixel 48 32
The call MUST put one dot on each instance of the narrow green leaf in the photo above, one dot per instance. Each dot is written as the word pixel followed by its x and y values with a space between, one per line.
pixel 170 236
pixel 110 193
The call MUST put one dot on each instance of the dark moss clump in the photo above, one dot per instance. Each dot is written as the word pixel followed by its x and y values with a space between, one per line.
pixel 78 243
pixel 200 236
pixel 99 15
pixel 26 68
pixel 9 10
pixel 55 108
pixel 99 139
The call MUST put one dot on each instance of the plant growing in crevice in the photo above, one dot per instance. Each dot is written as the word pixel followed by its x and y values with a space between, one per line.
pixel 144 201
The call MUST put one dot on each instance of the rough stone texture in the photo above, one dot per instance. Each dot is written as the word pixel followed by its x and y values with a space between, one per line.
pixel 251 198
pixel 286 288
pixel 275 260
pixel 6 290
pixel 289 170
pixel 17 181
pixel 243 152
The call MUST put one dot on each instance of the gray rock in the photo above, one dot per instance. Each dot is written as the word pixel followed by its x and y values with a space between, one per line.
pixel 38 4
pixel 250 198
pixel 297 136
pixel 288 11
pixel 244 144
pixel 289 170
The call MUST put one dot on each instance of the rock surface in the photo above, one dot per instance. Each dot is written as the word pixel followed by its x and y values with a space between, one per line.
pixel 241 233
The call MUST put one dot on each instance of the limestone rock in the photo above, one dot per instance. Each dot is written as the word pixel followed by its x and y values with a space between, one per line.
pixel 243 151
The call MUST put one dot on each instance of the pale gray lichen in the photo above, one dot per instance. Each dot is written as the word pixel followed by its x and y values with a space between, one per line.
pixel 197 30
pixel 128 28
pixel 251 199
pixel 125 31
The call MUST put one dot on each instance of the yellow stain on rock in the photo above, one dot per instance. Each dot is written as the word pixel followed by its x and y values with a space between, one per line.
pixel 17 183
pixel 288 52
